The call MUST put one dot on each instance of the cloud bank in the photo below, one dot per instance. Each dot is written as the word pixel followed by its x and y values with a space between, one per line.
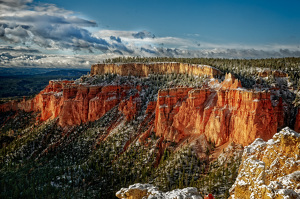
pixel 44 35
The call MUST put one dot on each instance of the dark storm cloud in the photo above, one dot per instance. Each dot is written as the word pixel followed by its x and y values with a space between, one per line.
pixel 143 35
pixel 117 39
pixel 15 3
pixel 18 49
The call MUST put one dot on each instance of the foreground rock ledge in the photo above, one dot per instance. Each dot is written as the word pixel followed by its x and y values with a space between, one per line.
pixel 148 191
pixel 270 169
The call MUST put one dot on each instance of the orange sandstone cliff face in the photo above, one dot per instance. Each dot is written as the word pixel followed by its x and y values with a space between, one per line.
pixel 226 113
pixel 83 104
pixel 143 70
pixel 72 103
pixel 130 107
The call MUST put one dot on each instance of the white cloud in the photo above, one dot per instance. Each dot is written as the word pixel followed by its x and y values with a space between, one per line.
pixel 47 28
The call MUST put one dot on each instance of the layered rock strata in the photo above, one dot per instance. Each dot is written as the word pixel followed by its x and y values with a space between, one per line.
pixel 270 169
pixel 275 73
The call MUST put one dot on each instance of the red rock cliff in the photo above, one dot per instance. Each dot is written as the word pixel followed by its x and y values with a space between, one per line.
pixel 130 107
pixel 73 103
pixel 225 113
pixel 82 103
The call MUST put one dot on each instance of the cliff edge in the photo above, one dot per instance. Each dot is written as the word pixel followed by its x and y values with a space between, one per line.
pixel 143 70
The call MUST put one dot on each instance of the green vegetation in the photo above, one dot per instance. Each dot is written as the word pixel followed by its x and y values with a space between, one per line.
pixel 49 162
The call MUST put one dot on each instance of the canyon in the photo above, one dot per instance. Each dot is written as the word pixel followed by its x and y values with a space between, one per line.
pixel 169 124
pixel 222 111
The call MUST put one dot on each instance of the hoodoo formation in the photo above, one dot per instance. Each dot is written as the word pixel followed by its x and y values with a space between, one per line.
pixel 221 111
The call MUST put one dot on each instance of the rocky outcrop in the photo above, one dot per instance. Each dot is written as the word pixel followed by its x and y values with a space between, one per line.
pixel 209 196
pixel 147 191
pixel 224 112
pixel 270 169
pixel 143 70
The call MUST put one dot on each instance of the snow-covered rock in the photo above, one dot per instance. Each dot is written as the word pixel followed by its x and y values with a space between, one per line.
pixel 148 191
pixel 270 169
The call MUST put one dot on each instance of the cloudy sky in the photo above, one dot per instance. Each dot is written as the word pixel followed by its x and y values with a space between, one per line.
pixel 76 33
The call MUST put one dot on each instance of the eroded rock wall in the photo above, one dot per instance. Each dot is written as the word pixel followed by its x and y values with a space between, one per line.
pixel 224 113
pixel 82 103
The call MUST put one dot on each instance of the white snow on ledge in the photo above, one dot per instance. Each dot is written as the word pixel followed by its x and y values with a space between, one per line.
pixel 152 192
pixel 270 169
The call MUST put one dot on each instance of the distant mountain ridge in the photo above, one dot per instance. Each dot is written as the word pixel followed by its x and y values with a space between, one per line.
pixel 18 82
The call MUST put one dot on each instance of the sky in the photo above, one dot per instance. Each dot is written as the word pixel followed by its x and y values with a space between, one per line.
pixel 76 33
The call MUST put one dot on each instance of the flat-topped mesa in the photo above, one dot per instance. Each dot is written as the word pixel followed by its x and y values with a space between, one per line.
pixel 223 115
pixel 144 69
